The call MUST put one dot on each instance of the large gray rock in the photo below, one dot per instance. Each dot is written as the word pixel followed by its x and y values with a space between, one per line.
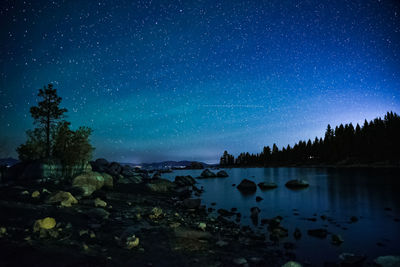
pixel 222 174
pixel 89 182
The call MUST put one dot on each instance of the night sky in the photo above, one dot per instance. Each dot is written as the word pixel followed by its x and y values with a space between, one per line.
pixel 173 80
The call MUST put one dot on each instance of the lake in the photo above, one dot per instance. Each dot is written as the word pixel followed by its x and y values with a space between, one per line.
pixel 372 195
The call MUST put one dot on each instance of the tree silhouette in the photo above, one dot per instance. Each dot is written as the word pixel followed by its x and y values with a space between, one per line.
pixel 48 113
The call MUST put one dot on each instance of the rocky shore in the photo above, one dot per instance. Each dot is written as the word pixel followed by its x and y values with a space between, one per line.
pixel 115 215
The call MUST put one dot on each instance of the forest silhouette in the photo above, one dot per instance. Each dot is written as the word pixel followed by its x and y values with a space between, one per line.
pixel 373 142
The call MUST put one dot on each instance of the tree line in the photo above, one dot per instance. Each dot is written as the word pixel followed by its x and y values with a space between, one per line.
pixel 374 141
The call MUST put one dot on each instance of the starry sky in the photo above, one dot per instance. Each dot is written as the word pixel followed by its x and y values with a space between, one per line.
pixel 174 80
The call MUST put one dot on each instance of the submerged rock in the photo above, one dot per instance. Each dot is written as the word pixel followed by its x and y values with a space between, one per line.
pixel 297 184
pixel 267 185
pixel 247 186
pixel 66 199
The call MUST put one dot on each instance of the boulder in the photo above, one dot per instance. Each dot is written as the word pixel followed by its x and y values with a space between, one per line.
pixel 320 233
pixel 160 185
pixel 247 186
pixel 207 174
pixel 192 203
pixel 267 185
pixel 222 174
pixel 184 180
pixel 114 169
pixel 46 224
pixel 89 182
pixel 100 203
pixel 99 165
pixel 128 171
pixel 388 261
pixel 297 184
pixel 66 199
pixel 108 180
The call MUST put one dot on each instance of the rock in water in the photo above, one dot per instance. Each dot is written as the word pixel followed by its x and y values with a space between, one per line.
pixel 222 174
pixel 89 182
pixel 297 184
pixel 247 186
pixel 66 199
pixel 388 261
pixel 320 233
pixel 207 174
pixel 267 185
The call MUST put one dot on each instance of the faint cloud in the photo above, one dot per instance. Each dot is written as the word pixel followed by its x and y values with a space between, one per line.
pixel 232 106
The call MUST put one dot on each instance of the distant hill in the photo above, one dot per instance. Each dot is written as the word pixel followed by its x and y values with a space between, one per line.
pixel 170 164
pixel 8 161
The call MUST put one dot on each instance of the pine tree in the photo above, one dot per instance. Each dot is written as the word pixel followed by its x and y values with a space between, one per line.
pixel 48 113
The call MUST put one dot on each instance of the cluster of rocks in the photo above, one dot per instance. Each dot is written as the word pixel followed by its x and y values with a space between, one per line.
pixel 209 174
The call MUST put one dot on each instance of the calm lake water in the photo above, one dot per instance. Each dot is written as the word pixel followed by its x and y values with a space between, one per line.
pixel 373 195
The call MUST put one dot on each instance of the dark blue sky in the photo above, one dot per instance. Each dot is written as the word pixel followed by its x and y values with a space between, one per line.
pixel 161 80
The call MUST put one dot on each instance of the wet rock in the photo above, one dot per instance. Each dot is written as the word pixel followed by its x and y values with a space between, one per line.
pixel 114 169
pixel 267 185
pixel 89 182
pixel 297 184
pixel 350 259
pixel 184 180
pixel 132 242
pixel 247 186
pixel 192 203
pixel 320 233
pixel 207 174
pixel 239 261
pixel 35 194
pixel 156 213
pixel 202 226
pixel 278 232
pixel 222 174
pixel 100 203
pixel 337 239
pixel 258 199
pixel 388 261
pixel 292 264
pixel 66 199
pixel 99 165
